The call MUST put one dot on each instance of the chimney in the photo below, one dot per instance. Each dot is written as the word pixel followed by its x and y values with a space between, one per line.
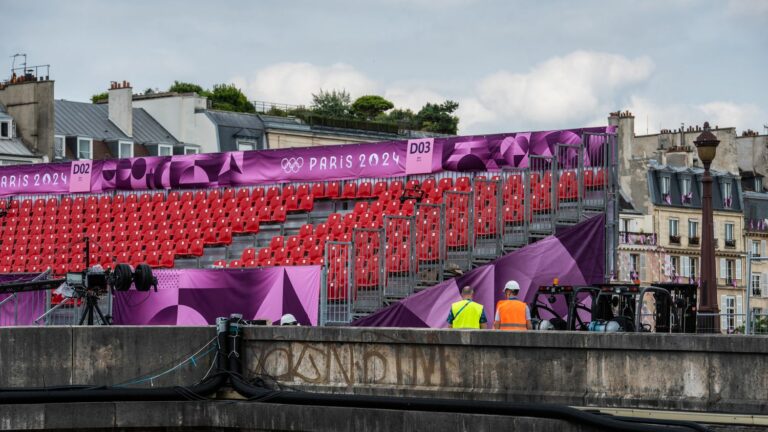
pixel 121 106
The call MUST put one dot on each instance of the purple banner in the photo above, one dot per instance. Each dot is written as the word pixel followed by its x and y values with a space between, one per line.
pixel 20 309
pixel 306 164
pixel 51 178
pixel 198 297
pixel 576 256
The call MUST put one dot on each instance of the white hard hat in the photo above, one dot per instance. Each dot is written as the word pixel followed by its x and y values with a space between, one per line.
pixel 512 286
pixel 288 319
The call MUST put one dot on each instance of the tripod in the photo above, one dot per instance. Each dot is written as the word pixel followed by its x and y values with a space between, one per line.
pixel 91 305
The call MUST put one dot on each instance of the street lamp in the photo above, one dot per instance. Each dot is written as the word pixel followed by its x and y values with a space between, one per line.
pixel 706 145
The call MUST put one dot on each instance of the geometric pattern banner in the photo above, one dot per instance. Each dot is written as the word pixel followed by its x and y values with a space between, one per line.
pixel 198 297
pixel 576 256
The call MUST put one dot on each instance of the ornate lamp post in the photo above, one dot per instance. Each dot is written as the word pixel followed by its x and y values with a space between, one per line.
pixel 706 145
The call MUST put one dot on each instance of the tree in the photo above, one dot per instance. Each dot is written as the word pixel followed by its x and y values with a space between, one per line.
pixel 438 118
pixel 403 117
pixel 185 87
pixel 227 97
pixel 99 97
pixel 370 107
pixel 335 103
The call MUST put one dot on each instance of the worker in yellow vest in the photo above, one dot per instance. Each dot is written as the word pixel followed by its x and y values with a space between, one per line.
pixel 512 314
pixel 466 314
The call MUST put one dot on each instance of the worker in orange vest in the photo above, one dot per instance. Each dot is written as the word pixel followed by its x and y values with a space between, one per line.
pixel 512 314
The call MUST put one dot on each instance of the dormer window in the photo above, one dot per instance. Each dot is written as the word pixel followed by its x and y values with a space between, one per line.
pixel 6 129
pixel 727 197
pixel 665 182
pixel 758 184
pixel 84 148
pixel 686 196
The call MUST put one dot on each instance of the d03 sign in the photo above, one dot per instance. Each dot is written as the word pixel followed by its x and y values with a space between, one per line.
pixel 419 154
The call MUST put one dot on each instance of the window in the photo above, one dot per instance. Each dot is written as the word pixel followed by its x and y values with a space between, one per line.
pixel 729 240
pixel 665 185
pixel 693 267
pixel 730 311
pixel 758 184
pixel 730 271
pixel 687 195
pixel 634 265
pixel 755 248
pixel 246 145
pixel 755 284
pixel 623 225
pixel 693 228
pixel 674 234
pixel 674 262
pixel 727 199
pixel 164 150
pixel 5 129
pixel 191 150
pixel 84 148
pixel 58 147
pixel 125 149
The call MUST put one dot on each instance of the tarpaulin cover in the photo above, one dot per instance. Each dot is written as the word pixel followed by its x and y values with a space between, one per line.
pixel 198 297
pixel 575 255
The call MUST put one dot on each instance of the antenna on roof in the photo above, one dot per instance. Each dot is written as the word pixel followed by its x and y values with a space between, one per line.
pixel 23 63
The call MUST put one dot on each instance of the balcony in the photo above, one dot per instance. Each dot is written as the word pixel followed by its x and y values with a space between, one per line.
pixel 730 244
pixel 693 241
pixel 757 292
pixel 636 238
pixel 675 240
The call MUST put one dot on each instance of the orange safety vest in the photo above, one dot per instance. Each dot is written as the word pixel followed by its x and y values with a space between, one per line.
pixel 512 315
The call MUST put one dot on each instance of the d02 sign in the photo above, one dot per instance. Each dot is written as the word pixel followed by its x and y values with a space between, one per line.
pixel 419 156
pixel 80 176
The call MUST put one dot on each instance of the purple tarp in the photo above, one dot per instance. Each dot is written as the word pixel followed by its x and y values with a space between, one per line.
pixel 339 162
pixel 25 307
pixel 198 297
pixel 576 256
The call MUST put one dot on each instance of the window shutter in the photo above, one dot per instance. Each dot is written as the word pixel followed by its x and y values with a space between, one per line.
pixel 738 269
pixel 739 311
pixel 764 285
pixel 667 265
pixel 685 263
pixel 723 310
pixel 762 248
pixel 642 267
pixel 723 273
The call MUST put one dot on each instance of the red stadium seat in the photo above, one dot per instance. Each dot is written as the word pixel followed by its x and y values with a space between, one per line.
pixel 350 190
pixel 333 190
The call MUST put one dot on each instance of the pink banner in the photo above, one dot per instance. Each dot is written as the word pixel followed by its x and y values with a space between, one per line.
pixel 80 176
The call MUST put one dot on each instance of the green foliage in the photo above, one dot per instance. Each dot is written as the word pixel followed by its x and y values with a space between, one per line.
pixel 227 97
pixel 99 97
pixel 438 118
pixel 370 107
pixel 403 117
pixel 184 87
pixel 335 103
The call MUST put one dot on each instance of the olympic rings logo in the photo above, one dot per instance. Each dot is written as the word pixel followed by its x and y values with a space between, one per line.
pixel 292 165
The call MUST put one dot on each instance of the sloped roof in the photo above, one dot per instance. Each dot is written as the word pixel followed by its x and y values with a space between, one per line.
pixel 92 120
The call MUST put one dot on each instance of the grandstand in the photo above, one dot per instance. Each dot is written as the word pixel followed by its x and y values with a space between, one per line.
pixel 378 239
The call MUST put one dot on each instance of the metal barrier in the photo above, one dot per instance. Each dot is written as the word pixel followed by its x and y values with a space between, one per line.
pixel 514 209
pixel 486 215
pixel 540 195
pixel 400 239
pixel 369 270
pixel 568 166
pixel 337 276
pixel 430 243
pixel 725 323
pixel 759 324
pixel 458 229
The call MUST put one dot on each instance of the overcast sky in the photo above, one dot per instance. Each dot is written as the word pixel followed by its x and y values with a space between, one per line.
pixel 511 65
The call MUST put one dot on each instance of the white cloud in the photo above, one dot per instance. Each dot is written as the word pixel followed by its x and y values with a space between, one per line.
pixel 651 117
pixel 294 83
pixel 411 96
pixel 557 91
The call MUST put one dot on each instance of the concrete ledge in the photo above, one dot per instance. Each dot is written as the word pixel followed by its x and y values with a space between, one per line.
pixel 252 416
pixel 673 372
